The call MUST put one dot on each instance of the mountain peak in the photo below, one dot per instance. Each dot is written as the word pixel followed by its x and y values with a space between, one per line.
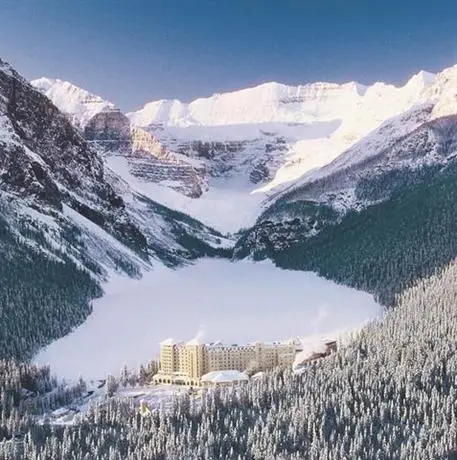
pixel 421 80
pixel 5 67
pixel 426 76
pixel 443 92
pixel 79 104
pixel 269 102
pixel 43 83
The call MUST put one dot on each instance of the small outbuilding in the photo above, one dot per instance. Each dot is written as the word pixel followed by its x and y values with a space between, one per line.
pixel 223 378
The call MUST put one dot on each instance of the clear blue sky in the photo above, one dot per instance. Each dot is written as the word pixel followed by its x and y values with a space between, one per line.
pixel 134 51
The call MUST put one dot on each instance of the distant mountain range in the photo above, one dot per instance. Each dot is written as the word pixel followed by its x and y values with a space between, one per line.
pixel 356 183
pixel 239 148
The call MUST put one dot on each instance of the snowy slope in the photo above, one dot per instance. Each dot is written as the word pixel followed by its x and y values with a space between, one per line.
pixel 336 182
pixel 409 140
pixel 318 121
pixel 79 104
pixel 240 150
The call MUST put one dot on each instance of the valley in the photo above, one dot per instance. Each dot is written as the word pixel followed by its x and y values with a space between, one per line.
pixel 243 147
pixel 320 211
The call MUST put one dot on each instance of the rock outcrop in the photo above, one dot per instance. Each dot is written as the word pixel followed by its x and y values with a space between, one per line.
pixel 147 159
pixel 109 130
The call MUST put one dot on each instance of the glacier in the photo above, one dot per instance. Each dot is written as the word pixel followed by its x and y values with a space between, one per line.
pixel 249 145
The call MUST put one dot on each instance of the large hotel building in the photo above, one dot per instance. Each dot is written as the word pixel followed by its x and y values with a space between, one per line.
pixel 186 363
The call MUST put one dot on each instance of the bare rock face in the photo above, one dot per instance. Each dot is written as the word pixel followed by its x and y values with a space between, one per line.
pixel 145 142
pixel 219 158
pixel 46 163
pixel 152 162
pixel 148 160
pixel 259 173
pixel 109 127
pixel 41 146
pixel 258 159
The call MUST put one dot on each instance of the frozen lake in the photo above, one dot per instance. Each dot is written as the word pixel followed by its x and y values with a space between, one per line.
pixel 217 299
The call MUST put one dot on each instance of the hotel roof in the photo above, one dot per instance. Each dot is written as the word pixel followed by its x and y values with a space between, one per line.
pixel 225 376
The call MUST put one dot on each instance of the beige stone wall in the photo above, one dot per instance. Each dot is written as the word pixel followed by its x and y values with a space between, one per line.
pixel 167 359
pixel 226 358
pixel 191 361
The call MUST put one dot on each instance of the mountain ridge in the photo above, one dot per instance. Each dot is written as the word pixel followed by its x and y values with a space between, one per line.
pixel 63 211
pixel 269 91
pixel 244 151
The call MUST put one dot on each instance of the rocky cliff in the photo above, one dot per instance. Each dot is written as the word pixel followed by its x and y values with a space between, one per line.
pixel 67 222
pixel 103 124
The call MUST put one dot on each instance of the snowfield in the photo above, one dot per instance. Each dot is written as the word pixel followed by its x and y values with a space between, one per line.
pixel 216 299
pixel 279 133
pixel 228 205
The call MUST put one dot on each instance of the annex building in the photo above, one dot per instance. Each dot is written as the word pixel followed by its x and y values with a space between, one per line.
pixel 196 364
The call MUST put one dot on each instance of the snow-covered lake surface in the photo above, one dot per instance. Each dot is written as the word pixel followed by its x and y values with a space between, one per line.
pixel 216 299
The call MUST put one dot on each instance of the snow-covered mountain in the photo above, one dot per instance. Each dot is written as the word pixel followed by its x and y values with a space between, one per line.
pixel 75 102
pixel 67 221
pixel 409 140
pixel 260 140
pixel 141 155
pixel 278 103
pixel 245 146
pixel 387 201
pixel 52 169
pixel 223 159
pixel 317 122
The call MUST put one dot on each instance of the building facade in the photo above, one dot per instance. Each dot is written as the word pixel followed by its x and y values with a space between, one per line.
pixel 186 363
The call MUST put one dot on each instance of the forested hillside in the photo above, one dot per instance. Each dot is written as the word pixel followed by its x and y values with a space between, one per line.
pixel 389 394
pixel 381 249
pixel 41 297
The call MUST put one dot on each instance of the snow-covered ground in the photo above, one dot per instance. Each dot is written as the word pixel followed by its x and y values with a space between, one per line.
pixel 228 206
pixel 156 397
pixel 233 302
